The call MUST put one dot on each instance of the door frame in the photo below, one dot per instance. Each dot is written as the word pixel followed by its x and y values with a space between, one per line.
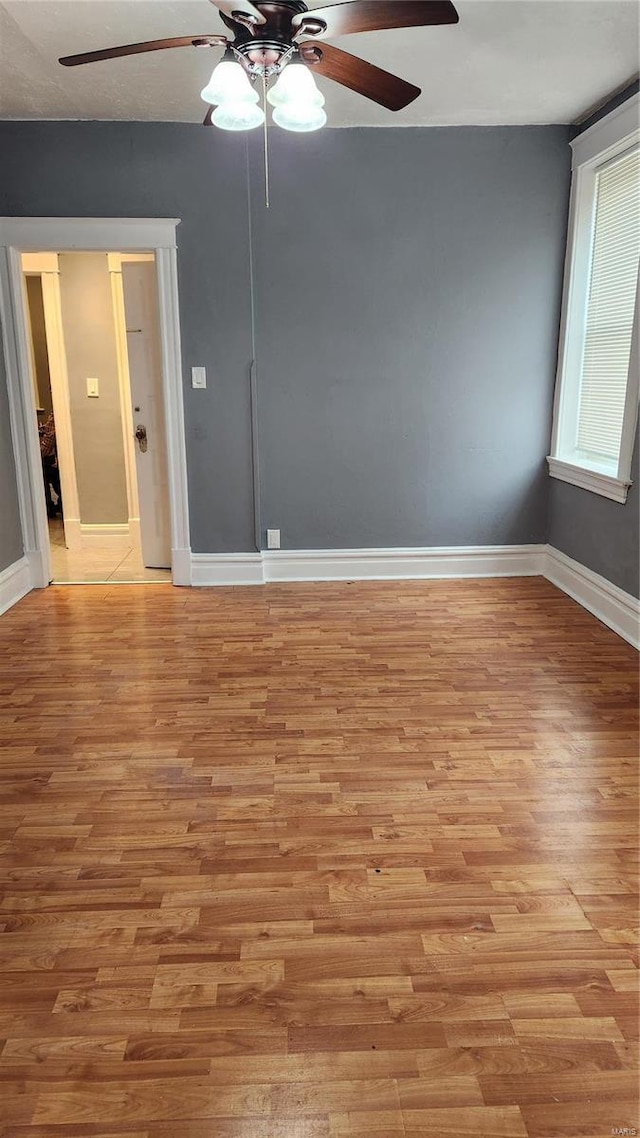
pixel 55 235
pixel 46 267
pixel 115 262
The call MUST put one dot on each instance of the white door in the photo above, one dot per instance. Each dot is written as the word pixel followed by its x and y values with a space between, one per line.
pixel 145 373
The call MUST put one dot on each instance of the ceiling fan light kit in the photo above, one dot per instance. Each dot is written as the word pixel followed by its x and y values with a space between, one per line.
pixel 229 83
pixel 295 85
pixel 298 102
pixel 295 96
pixel 300 119
pixel 238 116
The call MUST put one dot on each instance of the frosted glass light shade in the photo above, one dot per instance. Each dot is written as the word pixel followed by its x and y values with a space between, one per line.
pixel 229 83
pixel 295 85
pixel 300 118
pixel 238 116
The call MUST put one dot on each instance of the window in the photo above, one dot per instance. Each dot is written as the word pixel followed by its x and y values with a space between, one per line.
pixel 597 388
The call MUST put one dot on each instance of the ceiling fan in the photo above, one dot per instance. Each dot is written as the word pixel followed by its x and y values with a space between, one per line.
pixel 284 38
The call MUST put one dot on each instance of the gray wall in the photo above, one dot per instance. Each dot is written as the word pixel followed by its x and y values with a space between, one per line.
pixel 96 424
pixel 11 546
pixel 601 534
pixel 406 289
pixel 407 293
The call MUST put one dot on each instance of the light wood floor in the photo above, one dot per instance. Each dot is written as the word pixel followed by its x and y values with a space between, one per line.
pixel 317 861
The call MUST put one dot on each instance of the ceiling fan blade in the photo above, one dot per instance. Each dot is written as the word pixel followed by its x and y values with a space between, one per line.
pixel 240 11
pixel 374 16
pixel 139 48
pixel 351 71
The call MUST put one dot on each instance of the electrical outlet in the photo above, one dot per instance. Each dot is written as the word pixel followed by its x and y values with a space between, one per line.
pixel 273 539
pixel 199 378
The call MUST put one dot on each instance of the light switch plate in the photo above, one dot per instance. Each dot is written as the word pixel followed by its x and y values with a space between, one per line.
pixel 93 388
pixel 198 378
pixel 273 539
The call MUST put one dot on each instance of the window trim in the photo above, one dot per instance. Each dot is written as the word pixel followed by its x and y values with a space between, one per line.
pixel 600 144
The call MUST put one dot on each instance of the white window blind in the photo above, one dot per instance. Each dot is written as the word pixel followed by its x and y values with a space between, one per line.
pixel 610 309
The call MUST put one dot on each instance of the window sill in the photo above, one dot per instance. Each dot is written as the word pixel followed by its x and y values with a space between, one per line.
pixel 605 484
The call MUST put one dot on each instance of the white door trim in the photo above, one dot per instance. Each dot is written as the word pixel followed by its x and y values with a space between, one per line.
pixel 54 234
pixel 89 234
pixel 168 305
pixel 114 261
pixel 24 428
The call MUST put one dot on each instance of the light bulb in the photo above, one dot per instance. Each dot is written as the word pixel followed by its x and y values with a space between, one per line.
pixel 238 116
pixel 229 83
pixel 295 85
pixel 301 118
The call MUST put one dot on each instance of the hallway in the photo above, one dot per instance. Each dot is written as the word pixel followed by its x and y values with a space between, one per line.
pixel 116 562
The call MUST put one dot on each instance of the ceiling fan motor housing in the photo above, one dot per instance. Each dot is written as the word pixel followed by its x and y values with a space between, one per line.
pixel 264 45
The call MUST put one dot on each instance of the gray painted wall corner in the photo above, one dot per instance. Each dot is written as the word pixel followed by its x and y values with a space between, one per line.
pixel 599 533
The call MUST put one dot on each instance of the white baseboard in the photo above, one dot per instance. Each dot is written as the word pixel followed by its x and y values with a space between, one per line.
pixel 104 533
pixel 181 572
pixel 39 569
pixel 227 569
pixel 403 564
pixel 613 606
pixel 366 564
pixel 15 583
pixel 81 535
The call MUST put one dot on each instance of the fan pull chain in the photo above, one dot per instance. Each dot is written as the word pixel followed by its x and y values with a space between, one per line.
pixel 266 140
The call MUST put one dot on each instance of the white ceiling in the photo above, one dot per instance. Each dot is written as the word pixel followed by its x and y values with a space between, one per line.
pixel 507 62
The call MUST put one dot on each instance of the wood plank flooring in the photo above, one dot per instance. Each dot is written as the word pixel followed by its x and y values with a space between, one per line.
pixel 317 861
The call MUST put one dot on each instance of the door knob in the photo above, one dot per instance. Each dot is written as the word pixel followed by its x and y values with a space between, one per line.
pixel 141 435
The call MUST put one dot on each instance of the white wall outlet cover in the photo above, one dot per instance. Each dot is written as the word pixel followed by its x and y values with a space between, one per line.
pixel 273 539
pixel 93 388
pixel 198 377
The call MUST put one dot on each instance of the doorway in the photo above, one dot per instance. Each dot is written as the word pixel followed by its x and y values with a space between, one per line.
pixel 97 386
pixel 156 236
